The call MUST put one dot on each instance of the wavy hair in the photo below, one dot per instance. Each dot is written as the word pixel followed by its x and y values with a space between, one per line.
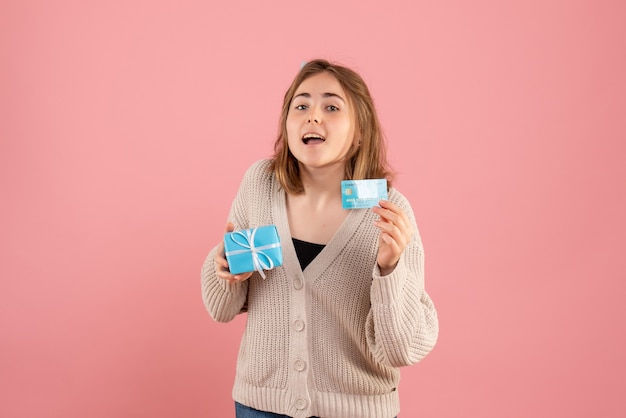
pixel 367 160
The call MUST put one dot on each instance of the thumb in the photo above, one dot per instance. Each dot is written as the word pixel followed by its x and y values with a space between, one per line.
pixel 230 227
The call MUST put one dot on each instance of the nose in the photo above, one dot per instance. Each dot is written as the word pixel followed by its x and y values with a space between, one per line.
pixel 314 118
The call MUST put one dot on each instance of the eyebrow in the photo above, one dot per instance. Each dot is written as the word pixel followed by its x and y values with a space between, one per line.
pixel 308 96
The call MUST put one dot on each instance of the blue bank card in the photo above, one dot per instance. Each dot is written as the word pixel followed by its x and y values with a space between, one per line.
pixel 359 194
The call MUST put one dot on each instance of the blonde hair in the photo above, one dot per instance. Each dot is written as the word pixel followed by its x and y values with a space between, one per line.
pixel 364 161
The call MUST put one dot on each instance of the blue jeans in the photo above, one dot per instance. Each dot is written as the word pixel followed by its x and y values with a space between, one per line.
pixel 243 411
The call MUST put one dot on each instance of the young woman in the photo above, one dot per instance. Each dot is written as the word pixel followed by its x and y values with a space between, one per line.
pixel 327 332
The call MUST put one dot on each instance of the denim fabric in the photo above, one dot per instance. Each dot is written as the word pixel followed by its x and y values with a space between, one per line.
pixel 243 411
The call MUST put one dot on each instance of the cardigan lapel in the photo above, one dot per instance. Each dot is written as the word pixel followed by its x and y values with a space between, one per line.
pixel 339 240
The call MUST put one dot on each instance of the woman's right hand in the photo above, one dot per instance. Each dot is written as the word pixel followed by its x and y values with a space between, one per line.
pixel 221 265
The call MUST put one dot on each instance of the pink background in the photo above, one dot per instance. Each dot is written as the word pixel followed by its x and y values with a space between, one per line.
pixel 125 128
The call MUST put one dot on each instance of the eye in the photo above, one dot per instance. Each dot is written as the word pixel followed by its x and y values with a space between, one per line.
pixel 332 108
pixel 300 107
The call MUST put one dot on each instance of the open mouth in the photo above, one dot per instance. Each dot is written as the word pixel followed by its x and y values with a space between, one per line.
pixel 312 139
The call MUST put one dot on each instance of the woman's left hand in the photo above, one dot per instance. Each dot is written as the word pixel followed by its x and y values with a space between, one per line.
pixel 396 232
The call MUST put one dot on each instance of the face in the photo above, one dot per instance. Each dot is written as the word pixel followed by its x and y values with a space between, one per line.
pixel 320 123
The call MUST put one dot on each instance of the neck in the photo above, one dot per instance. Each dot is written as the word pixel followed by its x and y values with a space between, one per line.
pixel 322 181
pixel 321 185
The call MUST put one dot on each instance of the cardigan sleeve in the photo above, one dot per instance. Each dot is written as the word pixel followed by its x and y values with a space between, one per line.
pixel 402 325
pixel 222 299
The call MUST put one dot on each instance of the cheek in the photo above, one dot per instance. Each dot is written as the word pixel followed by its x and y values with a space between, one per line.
pixel 348 128
pixel 290 128
pixel 292 137
pixel 290 122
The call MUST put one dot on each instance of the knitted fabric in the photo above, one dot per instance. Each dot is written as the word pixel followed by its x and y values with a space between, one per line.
pixel 327 341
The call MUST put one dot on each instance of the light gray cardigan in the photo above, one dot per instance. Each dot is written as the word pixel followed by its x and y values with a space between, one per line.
pixel 327 341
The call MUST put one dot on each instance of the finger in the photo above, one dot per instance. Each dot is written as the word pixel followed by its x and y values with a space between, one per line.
pixel 390 206
pixel 395 209
pixel 388 239
pixel 390 235
pixel 394 214
pixel 224 274
pixel 242 277
pixel 389 213
pixel 221 252
pixel 389 252
pixel 221 266
pixel 392 232
pixel 220 260
pixel 390 219
pixel 392 244
pixel 234 278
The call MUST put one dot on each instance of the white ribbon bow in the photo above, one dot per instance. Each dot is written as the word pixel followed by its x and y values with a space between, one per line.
pixel 258 256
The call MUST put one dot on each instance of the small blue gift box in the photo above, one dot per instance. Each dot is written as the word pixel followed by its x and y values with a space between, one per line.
pixel 254 249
